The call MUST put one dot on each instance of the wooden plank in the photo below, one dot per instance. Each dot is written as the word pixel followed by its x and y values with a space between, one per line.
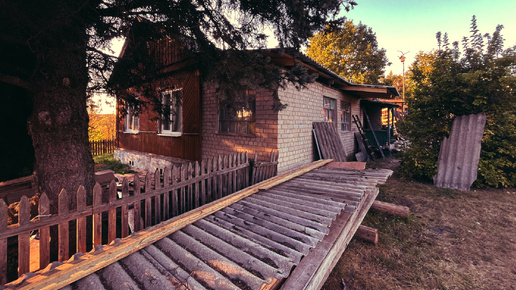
pixel 175 176
pixel 112 212
pixel 197 185
pixel 3 243
pixel 166 196
pixel 24 238
pixel 202 184
pixel 234 163
pixel 182 193
pixel 137 215
pixel 212 181
pixel 124 215
pixel 225 177
pixel 209 181
pixel 68 273
pixel 246 161
pixel 157 199
pixel 44 232
pixel 63 228
pixel 220 180
pixel 148 203
pixel 80 239
pixel 97 218
pixel 190 196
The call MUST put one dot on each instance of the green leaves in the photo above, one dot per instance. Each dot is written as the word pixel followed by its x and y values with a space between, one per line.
pixel 351 51
pixel 447 84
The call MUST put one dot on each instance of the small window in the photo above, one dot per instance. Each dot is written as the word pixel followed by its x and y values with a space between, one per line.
pixel 171 115
pixel 329 110
pixel 345 116
pixel 132 119
pixel 239 117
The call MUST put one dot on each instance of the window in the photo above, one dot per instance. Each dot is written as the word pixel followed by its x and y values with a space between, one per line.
pixel 171 115
pixel 238 118
pixel 345 116
pixel 329 110
pixel 132 119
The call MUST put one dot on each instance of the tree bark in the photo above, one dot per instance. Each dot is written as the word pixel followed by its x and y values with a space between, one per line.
pixel 59 124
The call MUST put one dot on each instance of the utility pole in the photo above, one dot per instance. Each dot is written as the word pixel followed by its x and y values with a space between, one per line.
pixel 402 58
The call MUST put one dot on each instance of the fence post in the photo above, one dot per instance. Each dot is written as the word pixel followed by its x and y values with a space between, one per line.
pixel 124 212
pixel 112 212
pixel 157 199
pixel 44 232
pixel 81 222
pixel 166 195
pixel 97 218
pixel 63 239
pixel 3 243
pixel 137 204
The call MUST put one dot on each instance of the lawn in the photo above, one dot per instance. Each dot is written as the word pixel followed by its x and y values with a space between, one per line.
pixel 451 240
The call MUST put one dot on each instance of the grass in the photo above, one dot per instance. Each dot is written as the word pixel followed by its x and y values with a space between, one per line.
pixel 108 161
pixel 451 240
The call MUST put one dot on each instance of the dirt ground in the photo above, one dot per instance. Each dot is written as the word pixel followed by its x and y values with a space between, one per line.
pixel 451 240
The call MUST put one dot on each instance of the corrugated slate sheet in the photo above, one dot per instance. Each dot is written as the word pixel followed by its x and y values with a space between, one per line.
pixel 252 244
pixel 457 165
pixel 328 141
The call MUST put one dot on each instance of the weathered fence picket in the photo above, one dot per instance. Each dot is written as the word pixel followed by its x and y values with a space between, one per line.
pixel 102 147
pixel 126 208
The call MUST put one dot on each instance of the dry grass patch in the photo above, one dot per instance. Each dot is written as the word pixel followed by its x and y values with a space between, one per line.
pixel 451 240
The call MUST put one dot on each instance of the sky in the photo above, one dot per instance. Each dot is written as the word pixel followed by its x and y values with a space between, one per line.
pixel 409 26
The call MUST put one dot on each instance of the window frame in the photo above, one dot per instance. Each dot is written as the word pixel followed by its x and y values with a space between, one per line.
pixel 228 125
pixel 332 110
pixel 173 116
pixel 345 116
pixel 131 118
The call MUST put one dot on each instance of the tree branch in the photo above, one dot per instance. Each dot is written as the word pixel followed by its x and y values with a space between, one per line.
pixel 15 81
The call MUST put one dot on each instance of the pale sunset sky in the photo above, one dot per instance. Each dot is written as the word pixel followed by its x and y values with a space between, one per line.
pixel 409 26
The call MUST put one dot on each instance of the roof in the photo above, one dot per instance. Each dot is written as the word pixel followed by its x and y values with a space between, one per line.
pixel 379 104
pixel 288 57
pixel 253 243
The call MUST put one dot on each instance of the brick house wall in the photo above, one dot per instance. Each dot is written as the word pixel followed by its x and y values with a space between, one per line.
pixel 295 141
pixel 214 143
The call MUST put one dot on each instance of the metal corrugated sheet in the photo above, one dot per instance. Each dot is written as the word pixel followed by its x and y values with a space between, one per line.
pixel 251 244
pixel 459 154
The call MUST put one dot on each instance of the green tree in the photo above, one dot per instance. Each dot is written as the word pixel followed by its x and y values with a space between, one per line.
pixel 451 82
pixel 54 51
pixel 351 51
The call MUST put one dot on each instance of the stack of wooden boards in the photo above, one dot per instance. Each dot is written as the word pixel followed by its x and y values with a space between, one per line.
pixel 287 231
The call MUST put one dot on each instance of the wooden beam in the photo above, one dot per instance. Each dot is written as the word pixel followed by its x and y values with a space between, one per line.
pixel 15 81
pixel 89 263
pixel 390 208
pixel 367 234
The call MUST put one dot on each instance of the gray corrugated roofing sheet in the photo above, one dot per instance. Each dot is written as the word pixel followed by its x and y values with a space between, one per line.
pixel 459 154
pixel 251 244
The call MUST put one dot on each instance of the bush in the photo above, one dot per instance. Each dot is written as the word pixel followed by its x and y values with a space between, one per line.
pixel 112 164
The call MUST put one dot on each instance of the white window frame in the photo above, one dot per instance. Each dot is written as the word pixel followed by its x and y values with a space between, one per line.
pixel 132 120
pixel 176 113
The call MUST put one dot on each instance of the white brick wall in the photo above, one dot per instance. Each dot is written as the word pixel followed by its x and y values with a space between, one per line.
pixel 295 142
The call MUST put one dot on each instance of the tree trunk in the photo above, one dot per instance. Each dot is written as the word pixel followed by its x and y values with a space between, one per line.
pixel 59 124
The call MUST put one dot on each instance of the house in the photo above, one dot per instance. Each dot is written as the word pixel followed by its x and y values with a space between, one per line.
pixel 199 127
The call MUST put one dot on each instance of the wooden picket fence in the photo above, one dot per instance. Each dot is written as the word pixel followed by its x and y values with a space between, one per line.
pixel 118 210
pixel 102 147
pixel 264 170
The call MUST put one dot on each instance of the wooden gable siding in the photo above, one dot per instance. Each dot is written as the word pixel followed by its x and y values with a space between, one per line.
pixel 148 140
